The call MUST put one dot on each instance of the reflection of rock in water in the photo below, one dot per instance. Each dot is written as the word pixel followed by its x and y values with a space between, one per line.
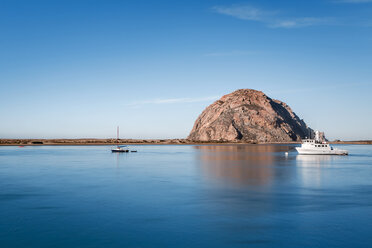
pixel 241 164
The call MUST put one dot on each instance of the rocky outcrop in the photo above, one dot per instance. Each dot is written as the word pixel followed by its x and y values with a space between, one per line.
pixel 249 116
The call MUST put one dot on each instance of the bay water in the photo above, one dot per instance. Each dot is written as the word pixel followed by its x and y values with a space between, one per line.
pixel 184 196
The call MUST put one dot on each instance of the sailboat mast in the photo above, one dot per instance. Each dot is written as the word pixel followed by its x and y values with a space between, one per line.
pixel 117 135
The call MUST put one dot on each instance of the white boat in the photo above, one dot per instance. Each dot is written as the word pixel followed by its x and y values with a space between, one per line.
pixel 318 147
pixel 119 148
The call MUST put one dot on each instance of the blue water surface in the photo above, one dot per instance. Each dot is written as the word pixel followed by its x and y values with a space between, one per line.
pixel 184 196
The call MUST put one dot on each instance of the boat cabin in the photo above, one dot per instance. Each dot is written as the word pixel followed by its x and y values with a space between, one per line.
pixel 315 144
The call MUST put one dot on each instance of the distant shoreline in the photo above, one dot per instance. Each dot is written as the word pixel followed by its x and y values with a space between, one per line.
pixel 38 142
pixel 63 142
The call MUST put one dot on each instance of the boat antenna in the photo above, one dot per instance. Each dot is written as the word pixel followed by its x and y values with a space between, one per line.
pixel 117 136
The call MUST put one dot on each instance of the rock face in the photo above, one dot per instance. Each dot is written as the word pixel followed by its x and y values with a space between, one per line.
pixel 249 116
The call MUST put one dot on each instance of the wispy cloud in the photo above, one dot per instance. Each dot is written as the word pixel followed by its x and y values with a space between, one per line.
pixel 300 22
pixel 244 12
pixel 271 19
pixel 173 101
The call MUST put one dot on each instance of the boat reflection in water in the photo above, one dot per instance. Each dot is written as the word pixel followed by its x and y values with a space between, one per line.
pixel 315 160
pixel 240 164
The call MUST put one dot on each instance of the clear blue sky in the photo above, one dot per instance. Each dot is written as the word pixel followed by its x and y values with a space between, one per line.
pixel 75 68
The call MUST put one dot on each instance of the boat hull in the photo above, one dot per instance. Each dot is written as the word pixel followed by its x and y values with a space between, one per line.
pixel 119 150
pixel 303 151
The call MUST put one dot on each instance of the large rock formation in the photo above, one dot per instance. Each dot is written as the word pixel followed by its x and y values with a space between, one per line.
pixel 249 116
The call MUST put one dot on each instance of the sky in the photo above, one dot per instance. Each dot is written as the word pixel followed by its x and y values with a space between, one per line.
pixel 78 69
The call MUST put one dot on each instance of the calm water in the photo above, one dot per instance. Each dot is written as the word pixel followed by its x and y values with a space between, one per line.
pixel 184 196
